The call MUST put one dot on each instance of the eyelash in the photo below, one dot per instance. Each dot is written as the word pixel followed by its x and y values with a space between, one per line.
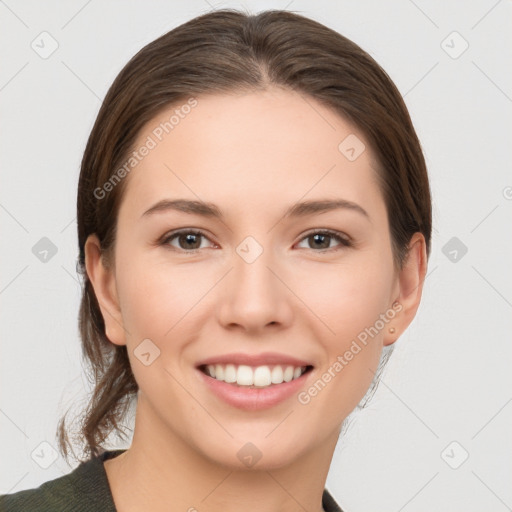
pixel 338 236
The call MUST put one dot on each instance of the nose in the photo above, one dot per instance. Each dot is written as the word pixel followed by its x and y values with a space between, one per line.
pixel 254 296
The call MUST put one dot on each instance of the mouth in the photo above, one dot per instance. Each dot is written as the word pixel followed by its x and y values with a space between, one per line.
pixel 254 382
pixel 258 377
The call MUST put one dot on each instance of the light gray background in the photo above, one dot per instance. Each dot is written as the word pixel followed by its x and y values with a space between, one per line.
pixel 449 378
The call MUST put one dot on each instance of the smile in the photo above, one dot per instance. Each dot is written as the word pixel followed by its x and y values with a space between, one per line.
pixel 254 382
pixel 254 377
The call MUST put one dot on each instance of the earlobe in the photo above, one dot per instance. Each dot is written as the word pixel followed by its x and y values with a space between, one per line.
pixel 410 282
pixel 104 284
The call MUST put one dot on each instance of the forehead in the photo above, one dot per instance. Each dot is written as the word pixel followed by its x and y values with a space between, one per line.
pixel 258 148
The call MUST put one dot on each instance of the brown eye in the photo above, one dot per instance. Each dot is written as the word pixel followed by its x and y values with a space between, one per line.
pixel 322 240
pixel 189 241
pixel 186 240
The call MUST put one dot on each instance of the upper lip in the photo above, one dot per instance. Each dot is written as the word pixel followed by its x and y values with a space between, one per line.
pixel 265 358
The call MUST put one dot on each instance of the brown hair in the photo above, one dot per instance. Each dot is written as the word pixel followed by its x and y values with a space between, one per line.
pixel 225 51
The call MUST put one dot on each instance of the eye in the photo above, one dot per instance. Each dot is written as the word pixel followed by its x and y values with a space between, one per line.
pixel 322 239
pixel 192 240
pixel 188 241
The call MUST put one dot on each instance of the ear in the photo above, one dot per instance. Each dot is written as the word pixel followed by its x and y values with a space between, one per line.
pixel 102 277
pixel 410 288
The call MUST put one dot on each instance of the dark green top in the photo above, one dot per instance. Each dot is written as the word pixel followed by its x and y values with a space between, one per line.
pixel 85 489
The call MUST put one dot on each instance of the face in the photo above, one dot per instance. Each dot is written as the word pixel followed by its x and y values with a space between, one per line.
pixel 288 265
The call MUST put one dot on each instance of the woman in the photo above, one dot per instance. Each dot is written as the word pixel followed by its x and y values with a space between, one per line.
pixel 254 224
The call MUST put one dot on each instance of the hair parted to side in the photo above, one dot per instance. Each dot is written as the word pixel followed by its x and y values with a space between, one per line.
pixel 231 51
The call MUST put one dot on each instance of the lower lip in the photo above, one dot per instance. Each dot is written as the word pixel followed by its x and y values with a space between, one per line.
pixel 254 399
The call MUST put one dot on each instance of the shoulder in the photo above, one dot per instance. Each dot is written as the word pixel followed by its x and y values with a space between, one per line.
pixel 84 489
pixel 52 495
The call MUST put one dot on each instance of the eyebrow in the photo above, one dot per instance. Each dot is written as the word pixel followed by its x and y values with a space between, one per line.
pixel 211 210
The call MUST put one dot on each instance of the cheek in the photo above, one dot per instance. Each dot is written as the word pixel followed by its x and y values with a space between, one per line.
pixel 351 302
pixel 157 295
pixel 157 304
pixel 347 297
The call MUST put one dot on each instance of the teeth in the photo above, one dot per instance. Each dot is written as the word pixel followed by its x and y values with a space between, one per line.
pixel 277 375
pixel 244 376
pixel 230 373
pixel 261 376
pixel 288 374
pixel 219 372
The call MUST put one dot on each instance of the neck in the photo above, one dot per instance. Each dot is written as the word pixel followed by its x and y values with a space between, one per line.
pixel 162 472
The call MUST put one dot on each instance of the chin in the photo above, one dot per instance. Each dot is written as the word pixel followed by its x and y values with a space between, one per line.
pixel 254 450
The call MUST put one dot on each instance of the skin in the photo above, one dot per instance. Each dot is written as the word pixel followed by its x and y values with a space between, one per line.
pixel 253 155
